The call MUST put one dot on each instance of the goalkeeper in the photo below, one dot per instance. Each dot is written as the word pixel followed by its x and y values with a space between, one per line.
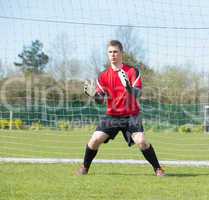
pixel 121 84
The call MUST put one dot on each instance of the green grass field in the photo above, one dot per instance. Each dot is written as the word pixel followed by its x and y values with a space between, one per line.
pixel 105 181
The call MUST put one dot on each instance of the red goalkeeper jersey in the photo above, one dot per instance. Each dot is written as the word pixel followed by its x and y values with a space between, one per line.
pixel 119 101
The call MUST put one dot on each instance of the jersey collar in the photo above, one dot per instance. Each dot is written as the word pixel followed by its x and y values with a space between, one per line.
pixel 115 70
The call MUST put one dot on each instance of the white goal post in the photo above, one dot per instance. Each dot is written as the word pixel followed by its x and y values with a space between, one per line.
pixel 206 119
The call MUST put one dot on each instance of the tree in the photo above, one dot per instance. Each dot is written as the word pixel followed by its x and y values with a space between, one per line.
pixel 175 85
pixel 131 43
pixel 63 64
pixel 96 64
pixel 33 59
pixel 130 59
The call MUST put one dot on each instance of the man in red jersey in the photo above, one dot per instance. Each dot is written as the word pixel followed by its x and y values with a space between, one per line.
pixel 121 84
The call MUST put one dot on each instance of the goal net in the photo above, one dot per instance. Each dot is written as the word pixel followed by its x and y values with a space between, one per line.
pixel 48 49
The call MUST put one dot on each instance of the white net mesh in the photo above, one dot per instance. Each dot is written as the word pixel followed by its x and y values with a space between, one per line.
pixel 160 34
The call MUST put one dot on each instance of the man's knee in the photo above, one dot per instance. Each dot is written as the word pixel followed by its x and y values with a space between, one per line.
pixel 97 139
pixel 140 140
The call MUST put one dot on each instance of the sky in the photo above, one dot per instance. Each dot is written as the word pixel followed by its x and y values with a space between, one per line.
pixel 171 32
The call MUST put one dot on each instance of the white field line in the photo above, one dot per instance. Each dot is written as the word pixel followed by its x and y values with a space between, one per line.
pixel 188 163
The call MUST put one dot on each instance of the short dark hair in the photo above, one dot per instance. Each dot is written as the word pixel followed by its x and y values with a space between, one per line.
pixel 116 43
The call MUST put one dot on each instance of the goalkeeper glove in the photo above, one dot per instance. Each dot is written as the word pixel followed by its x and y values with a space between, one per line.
pixel 124 79
pixel 90 88
pixel 126 83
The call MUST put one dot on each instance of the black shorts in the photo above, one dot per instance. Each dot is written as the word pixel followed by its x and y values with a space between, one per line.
pixel 128 125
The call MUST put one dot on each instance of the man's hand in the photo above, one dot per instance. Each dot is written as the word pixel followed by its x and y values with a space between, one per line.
pixel 124 79
pixel 90 88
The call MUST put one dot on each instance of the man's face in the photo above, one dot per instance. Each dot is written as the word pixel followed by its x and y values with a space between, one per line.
pixel 114 55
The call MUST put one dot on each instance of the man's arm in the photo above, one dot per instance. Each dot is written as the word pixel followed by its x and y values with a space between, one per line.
pixel 134 90
pixel 99 98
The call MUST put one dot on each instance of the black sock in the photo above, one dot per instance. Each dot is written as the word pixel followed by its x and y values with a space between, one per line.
pixel 89 156
pixel 151 157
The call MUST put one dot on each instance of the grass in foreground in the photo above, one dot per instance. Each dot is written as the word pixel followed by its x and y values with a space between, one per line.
pixel 107 181
pixel 124 182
